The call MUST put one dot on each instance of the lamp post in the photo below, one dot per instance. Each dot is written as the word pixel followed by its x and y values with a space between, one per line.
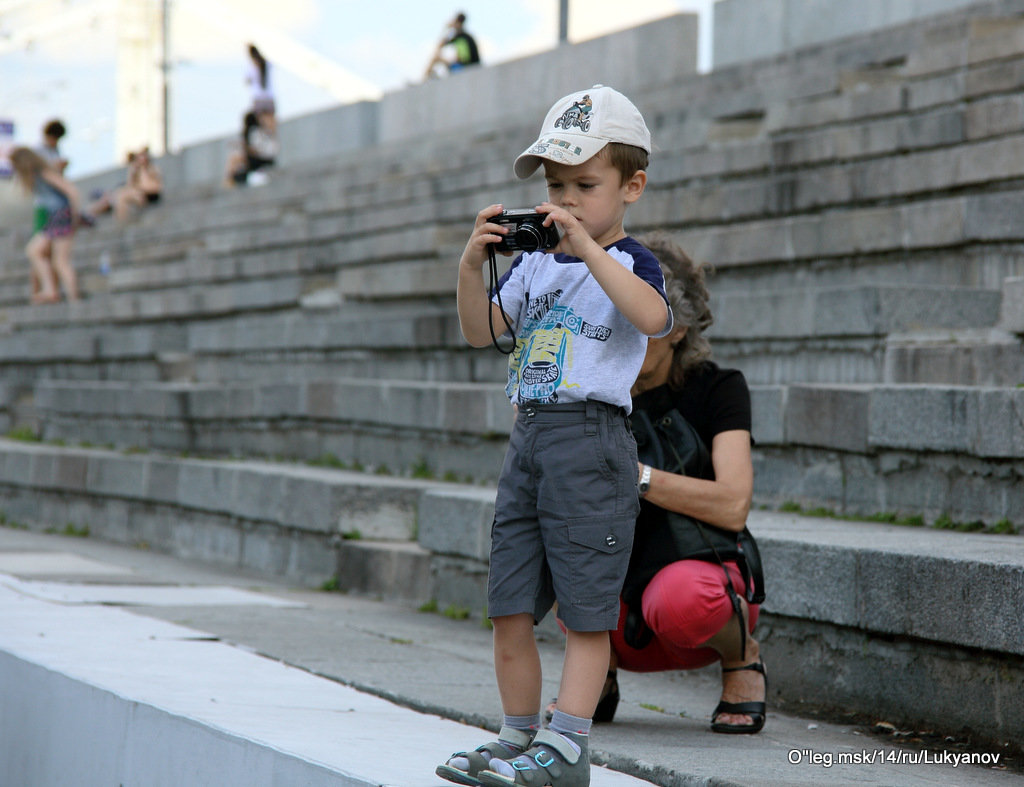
pixel 165 68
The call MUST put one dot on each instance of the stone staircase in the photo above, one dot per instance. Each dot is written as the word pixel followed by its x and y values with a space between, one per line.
pixel 859 202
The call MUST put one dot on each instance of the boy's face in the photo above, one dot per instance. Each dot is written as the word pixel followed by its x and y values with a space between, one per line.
pixel 594 194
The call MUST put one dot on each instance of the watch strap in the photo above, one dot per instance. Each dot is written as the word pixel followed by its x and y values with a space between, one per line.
pixel 645 481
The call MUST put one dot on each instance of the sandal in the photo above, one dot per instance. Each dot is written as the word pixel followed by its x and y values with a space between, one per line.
pixel 606 706
pixel 550 762
pixel 480 758
pixel 755 710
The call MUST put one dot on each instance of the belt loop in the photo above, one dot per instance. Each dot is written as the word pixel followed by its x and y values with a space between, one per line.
pixel 592 415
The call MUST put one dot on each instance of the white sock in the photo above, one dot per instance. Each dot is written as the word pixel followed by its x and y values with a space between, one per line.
pixel 526 723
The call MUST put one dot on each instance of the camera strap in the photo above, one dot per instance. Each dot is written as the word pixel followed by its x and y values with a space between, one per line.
pixel 492 286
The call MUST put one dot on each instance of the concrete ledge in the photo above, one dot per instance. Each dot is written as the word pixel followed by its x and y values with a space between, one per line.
pixel 871 576
pixel 871 567
pixel 963 357
pixel 857 574
pixel 1012 317
pixel 919 450
pixel 409 327
pixel 457 522
pixel 858 311
pixel 632 60
pixel 282 519
pixel 149 702
pixel 984 422
pixel 63 731
pixel 975 421
pixel 901 589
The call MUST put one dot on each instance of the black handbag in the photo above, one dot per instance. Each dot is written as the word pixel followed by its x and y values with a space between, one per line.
pixel 671 443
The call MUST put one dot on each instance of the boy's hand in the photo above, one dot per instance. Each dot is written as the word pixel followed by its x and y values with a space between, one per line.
pixel 574 238
pixel 484 233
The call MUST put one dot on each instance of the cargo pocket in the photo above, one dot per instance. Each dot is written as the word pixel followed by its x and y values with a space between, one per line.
pixel 599 556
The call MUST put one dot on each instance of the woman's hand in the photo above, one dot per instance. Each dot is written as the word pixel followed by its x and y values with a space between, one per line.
pixel 724 502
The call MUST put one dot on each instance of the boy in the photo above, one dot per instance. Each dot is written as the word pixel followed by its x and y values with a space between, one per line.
pixel 567 498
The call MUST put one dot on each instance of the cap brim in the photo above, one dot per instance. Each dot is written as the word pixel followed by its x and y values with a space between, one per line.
pixel 562 148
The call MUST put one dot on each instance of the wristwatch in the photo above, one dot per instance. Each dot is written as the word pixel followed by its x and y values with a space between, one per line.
pixel 645 481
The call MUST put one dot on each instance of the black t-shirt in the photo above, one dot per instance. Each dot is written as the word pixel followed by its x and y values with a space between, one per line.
pixel 713 400
pixel 465 48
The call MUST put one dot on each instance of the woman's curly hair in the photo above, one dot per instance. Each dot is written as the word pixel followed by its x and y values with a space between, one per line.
pixel 688 298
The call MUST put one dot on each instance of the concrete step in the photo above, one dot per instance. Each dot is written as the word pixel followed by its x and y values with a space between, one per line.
pixel 856 311
pixel 865 621
pixel 317 339
pixel 925 450
pixel 152 702
pixel 960 357
pixel 296 313
pixel 301 718
pixel 441 429
pixel 284 519
pixel 187 301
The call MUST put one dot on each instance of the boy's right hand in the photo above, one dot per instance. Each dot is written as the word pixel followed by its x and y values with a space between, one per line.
pixel 485 232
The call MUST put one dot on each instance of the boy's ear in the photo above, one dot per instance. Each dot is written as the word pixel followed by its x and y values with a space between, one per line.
pixel 635 186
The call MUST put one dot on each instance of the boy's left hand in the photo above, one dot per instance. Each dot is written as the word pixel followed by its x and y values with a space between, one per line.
pixel 574 238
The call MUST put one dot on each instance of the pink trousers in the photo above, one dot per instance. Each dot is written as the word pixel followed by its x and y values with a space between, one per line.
pixel 684 605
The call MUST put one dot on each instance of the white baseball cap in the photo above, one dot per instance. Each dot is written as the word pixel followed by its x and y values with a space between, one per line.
pixel 582 123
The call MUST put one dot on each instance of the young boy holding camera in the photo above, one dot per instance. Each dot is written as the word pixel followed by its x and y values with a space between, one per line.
pixel 567 501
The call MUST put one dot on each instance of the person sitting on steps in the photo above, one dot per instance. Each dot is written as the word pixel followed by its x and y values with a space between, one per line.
pixel 687 604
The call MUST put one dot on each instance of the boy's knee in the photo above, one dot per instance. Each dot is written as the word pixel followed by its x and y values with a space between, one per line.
pixel 522 620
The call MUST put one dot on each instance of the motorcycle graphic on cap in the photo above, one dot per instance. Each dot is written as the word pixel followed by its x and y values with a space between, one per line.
pixel 577 116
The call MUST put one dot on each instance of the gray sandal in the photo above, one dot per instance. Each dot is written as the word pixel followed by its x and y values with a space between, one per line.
pixel 480 758
pixel 549 762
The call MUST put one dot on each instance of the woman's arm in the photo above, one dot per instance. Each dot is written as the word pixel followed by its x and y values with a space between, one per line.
pixel 724 502
pixel 150 181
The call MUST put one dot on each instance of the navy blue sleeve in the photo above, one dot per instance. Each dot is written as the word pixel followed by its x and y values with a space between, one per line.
pixel 503 279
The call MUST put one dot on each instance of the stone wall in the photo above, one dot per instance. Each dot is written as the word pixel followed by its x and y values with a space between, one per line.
pixel 752 29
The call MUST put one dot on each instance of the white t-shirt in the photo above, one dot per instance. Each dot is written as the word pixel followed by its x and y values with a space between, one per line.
pixel 573 344
pixel 258 91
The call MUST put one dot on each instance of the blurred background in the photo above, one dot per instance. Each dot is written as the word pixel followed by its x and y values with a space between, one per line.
pixel 109 68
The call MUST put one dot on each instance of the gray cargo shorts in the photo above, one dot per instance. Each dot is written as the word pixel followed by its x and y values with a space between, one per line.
pixel 564 515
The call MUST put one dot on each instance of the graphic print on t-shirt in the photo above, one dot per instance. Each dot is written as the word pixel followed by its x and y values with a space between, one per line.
pixel 542 362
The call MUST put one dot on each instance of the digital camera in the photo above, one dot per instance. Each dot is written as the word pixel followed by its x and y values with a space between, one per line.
pixel 526 231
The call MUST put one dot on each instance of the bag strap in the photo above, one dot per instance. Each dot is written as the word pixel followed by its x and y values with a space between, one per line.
pixel 733 596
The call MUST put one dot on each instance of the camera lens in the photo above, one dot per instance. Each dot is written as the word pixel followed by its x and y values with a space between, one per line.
pixel 528 237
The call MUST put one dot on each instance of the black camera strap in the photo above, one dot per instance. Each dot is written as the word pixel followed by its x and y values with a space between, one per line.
pixel 492 286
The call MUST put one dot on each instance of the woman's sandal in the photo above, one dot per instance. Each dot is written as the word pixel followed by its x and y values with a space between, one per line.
pixel 606 706
pixel 755 710
pixel 480 758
